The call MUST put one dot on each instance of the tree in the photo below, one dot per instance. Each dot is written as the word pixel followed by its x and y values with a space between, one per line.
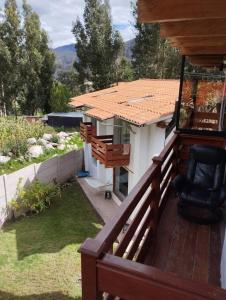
pixel 125 70
pixel 38 64
pixel 11 40
pixel 70 79
pixel 144 52
pixel 98 45
pixel 152 56
pixel 59 97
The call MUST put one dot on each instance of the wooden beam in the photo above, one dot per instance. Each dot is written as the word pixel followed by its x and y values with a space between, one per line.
pixel 198 41
pixel 207 60
pixel 209 27
pixel 203 50
pixel 180 10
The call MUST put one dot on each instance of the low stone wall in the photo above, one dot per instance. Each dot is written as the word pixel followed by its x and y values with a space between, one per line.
pixel 59 168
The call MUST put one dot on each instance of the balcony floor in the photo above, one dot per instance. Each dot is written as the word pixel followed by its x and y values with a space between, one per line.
pixel 190 250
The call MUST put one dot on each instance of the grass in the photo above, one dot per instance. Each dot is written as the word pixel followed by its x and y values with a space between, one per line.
pixel 38 254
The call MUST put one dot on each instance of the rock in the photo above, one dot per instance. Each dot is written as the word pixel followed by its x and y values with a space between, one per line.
pixel 62 134
pixel 32 141
pixel 61 147
pixel 42 142
pixel 10 154
pixel 47 136
pixel 35 151
pixel 4 159
pixel 62 140
pixel 54 145
pixel 49 146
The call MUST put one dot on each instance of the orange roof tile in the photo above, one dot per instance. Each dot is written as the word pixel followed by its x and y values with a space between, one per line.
pixel 99 114
pixel 140 102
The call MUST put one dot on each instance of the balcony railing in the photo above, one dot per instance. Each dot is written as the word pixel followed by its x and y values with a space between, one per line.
pixel 113 264
pixel 109 154
pixel 87 130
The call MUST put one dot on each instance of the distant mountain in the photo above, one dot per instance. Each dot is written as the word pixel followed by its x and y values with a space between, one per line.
pixel 66 55
pixel 128 48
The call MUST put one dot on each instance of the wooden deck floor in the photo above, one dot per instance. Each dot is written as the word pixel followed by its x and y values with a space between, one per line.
pixel 190 250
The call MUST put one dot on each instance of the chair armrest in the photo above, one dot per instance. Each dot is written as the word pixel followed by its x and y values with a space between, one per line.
pixel 179 182
pixel 222 194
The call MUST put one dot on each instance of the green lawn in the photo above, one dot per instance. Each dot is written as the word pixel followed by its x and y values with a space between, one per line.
pixel 38 254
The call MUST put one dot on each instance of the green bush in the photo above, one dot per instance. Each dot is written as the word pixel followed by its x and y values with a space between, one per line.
pixel 36 197
pixel 15 132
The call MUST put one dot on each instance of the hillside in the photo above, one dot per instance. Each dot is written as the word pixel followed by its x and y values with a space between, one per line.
pixel 66 55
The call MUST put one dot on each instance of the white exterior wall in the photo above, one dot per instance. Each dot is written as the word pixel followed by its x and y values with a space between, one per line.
pixel 146 142
pixel 96 169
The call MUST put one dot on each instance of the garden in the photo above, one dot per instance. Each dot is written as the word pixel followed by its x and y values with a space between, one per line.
pixel 23 143
pixel 39 256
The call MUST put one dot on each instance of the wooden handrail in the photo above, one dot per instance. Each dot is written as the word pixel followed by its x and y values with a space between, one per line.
pixel 107 265
pixel 111 230
pixel 131 280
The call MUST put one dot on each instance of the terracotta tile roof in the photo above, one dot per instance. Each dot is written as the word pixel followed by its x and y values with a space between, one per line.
pixel 99 114
pixel 140 102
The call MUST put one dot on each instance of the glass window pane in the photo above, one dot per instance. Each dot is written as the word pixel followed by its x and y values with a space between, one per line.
pixel 203 99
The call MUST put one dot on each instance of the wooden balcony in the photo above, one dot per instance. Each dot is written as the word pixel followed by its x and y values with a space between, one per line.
pixel 109 154
pixel 87 130
pixel 160 256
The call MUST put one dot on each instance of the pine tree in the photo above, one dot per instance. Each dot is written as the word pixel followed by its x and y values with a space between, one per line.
pixel 99 46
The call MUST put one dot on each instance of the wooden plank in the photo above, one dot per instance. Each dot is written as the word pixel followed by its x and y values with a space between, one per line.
pixel 150 11
pixel 206 115
pixel 198 41
pixel 215 255
pixel 131 280
pixel 202 252
pixel 199 50
pixel 208 27
pixel 134 225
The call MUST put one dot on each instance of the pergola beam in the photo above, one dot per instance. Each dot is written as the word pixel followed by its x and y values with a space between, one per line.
pixel 198 41
pixel 180 10
pixel 204 28
pixel 190 51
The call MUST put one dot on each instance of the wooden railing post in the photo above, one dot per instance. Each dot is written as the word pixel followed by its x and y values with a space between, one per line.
pixel 156 187
pixel 90 252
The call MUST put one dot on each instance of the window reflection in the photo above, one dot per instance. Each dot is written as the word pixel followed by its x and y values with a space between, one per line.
pixel 203 100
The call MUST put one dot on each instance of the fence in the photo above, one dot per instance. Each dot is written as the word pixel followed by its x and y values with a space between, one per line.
pixel 59 168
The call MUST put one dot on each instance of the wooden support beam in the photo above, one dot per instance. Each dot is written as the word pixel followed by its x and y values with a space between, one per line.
pixel 207 60
pixel 198 41
pixel 209 27
pixel 203 50
pixel 180 10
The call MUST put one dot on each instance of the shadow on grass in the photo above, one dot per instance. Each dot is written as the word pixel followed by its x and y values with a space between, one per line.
pixel 47 296
pixel 69 221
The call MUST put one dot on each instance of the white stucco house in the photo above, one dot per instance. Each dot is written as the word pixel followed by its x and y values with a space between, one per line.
pixel 123 128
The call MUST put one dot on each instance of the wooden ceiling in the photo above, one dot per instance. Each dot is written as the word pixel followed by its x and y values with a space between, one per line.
pixel 196 27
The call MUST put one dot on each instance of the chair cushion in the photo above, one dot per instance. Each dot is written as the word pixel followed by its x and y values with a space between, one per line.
pixel 204 175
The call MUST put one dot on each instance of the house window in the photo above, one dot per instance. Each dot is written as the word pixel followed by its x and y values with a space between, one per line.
pixel 203 100
pixel 121 182
pixel 121 132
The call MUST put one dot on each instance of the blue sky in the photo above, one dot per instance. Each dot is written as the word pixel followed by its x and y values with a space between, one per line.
pixel 57 17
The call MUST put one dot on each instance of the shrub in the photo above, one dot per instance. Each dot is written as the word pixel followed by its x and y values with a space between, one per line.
pixel 15 132
pixel 36 197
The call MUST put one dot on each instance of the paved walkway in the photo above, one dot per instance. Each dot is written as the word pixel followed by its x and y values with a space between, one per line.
pixel 106 209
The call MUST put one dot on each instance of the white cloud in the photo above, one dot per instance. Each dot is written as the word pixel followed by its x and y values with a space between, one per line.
pixel 57 17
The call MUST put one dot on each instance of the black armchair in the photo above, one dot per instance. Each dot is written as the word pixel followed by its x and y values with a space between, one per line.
pixel 202 191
